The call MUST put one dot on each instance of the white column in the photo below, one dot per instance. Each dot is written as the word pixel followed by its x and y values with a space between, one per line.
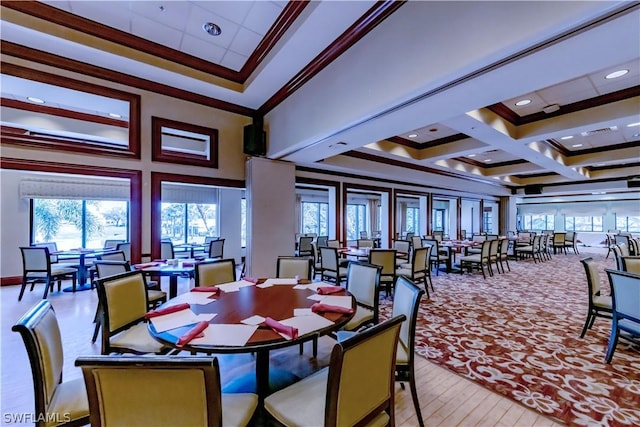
pixel 270 214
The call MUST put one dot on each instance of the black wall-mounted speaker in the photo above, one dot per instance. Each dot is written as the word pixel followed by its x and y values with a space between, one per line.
pixel 255 141
pixel 533 189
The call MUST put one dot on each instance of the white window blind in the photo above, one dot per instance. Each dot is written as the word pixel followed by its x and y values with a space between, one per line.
pixel 536 209
pixel 186 193
pixel 626 208
pixel 59 188
pixel 583 209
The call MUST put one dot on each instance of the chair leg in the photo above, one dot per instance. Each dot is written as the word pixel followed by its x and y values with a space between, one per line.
pixel 586 325
pixel 613 342
pixel 24 286
pixel 414 396
pixel 47 284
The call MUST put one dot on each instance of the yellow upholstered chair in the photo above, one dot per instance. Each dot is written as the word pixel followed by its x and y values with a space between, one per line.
pixel 406 301
pixel 418 271
pixel 599 305
pixel 161 391
pixel 630 264
pixel 625 296
pixel 216 249
pixel 385 258
pixel 331 268
pixel 57 402
pixel 291 267
pixel 211 273
pixel 37 268
pixel 123 303
pixel 363 281
pixel 346 393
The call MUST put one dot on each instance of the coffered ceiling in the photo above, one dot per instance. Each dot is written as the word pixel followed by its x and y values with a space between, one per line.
pixel 574 135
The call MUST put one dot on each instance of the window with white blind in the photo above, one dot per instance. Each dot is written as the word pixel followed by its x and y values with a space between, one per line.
pixel 189 212
pixel 77 213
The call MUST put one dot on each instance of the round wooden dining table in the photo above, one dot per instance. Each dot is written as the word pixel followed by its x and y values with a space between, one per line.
pixel 277 302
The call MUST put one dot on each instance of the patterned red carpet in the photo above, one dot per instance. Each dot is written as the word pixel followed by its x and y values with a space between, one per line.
pixel 519 335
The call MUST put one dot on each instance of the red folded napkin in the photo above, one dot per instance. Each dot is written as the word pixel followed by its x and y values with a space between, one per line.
pixel 195 332
pixel 289 331
pixel 145 265
pixel 326 290
pixel 213 289
pixel 328 308
pixel 188 264
pixel 167 310
pixel 250 279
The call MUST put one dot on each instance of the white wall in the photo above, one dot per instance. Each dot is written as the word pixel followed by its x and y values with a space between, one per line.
pixel 14 222
pixel 231 222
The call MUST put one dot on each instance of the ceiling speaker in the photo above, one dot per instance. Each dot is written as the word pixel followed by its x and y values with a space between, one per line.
pixel 633 182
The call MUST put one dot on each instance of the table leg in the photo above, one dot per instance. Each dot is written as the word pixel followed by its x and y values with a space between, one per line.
pixel 173 286
pixel 82 277
pixel 262 375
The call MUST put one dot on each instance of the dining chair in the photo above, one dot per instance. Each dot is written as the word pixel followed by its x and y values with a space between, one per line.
pixel 138 391
pixel 493 255
pixel 331 268
pixel 333 243
pixel 124 303
pixel 478 260
pixel 402 247
pixel 599 305
pixel 126 248
pixel 216 249
pixel 418 270
pixel 294 267
pixel 363 282
pixel 166 250
pixel 111 243
pixel 107 256
pixel 625 298
pixel 67 400
pixel 55 260
pixel 106 268
pixel 620 250
pixel 365 243
pixel 317 262
pixel 37 268
pixel 416 242
pixel 438 255
pixel 304 246
pixel 210 273
pixel 346 393
pixel 385 258
pixel 630 264
pixel 406 301
pixel 571 241
pixel 503 253
pixel 322 241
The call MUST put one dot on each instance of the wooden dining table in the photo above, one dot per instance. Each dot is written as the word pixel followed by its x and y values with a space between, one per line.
pixel 182 268
pixel 278 302
pixel 80 254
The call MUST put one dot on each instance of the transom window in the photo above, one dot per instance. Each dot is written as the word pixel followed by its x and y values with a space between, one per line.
pixel 583 223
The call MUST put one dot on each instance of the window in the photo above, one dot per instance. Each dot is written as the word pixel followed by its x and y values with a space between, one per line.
pixel 79 223
pixel 315 218
pixel 487 221
pixel 413 220
pixel 537 222
pixel 629 224
pixel 189 222
pixel 583 223
pixel 439 222
pixel 189 212
pixel 356 221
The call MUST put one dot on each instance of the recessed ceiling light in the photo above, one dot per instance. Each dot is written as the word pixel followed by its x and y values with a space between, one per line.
pixel 599 164
pixel 630 125
pixel 567 137
pixel 212 29
pixel 523 102
pixel 471 155
pixel 576 145
pixel 616 74
pixel 488 160
pixel 36 100
pixel 115 115
pixel 413 135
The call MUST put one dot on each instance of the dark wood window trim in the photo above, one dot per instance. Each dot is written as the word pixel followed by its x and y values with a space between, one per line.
pixel 157 178
pixel 14 137
pixel 325 183
pixel 160 155
pixel 135 182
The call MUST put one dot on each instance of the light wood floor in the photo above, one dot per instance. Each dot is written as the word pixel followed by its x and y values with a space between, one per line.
pixel 446 399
